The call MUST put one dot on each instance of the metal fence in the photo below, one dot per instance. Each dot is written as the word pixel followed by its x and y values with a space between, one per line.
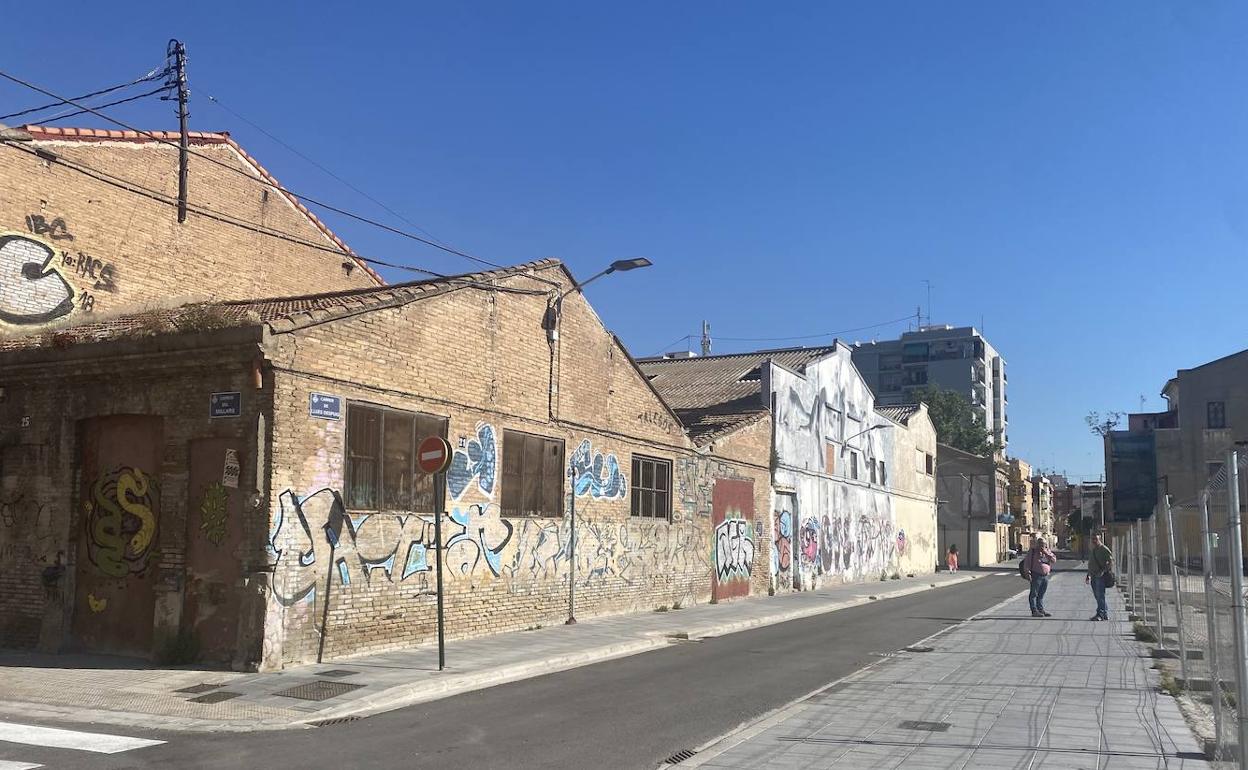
pixel 1182 574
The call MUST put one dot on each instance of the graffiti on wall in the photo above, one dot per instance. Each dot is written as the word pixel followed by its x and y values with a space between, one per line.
pixel 213 513
pixel 482 536
pixel 53 229
pixel 782 546
pixel 477 458
pixel 596 474
pixel 901 542
pixel 121 521
pixel 32 289
pixel 734 548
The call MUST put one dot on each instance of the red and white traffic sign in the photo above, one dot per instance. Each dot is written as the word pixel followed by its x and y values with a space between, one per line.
pixel 433 455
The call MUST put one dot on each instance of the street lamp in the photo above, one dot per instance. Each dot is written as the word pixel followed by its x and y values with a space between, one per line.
pixel 550 322
pixel 555 310
pixel 845 443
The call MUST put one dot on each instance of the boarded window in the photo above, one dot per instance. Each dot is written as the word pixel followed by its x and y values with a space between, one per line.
pixel 532 475
pixel 830 458
pixel 381 470
pixel 652 488
pixel 1215 415
pixel 883 473
pixel 930 464
pixel 853 465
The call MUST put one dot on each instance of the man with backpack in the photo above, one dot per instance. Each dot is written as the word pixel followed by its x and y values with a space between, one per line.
pixel 1035 567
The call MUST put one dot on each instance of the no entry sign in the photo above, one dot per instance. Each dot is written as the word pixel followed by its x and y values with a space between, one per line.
pixel 433 455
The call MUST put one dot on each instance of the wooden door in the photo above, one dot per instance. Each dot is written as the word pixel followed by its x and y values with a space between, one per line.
pixel 118 543
pixel 732 539
pixel 214 540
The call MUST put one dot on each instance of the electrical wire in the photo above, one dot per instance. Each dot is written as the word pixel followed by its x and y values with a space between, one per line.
pixel 330 173
pixel 154 74
pixel 244 174
pixel 110 104
pixel 668 346
pixel 815 336
pixel 160 197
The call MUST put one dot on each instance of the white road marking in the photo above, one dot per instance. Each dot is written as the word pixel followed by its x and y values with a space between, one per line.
pixel 52 737
pixel 17 765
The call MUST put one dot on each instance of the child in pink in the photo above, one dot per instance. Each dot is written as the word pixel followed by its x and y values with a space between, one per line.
pixel 951 560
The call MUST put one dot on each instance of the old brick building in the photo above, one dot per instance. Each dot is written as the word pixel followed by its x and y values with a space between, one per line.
pixel 243 472
pixel 88 225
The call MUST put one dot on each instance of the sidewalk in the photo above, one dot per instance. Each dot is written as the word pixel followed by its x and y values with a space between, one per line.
pixel 130 693
pixel 1002 690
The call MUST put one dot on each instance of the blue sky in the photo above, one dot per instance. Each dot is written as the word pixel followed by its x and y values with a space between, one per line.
pixel 1073 174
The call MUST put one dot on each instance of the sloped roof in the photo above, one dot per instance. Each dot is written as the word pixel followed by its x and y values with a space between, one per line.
pixel 898 414
pixel 715 395
pixel 196 138
pixel 281 314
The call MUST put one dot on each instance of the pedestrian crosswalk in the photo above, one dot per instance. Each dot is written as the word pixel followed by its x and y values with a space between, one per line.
pixel 14 736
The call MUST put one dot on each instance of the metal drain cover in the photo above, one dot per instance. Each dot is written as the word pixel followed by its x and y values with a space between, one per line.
pixel 337 672
pixel 196 689
pixel 679 757
pixel 931 727
pixel 216 697
pixel 318 690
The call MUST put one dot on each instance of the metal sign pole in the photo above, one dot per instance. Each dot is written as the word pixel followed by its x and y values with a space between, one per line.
pixel 439 482
pixel 572 550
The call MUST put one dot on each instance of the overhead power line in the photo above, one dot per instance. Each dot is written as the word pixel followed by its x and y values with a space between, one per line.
pixel 160 197
pixel 245 175
pixel 110 104
pixel 153 75
pixel 815 336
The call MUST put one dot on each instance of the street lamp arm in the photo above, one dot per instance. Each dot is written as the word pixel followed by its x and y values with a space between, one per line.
pixel 845 443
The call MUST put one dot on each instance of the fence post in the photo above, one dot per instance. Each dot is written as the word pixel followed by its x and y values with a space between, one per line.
pixel 1139 569
pixel 1236 568
pixel 1211 622
pixel 1152 553
pixel 1178 591
pixel 1129 557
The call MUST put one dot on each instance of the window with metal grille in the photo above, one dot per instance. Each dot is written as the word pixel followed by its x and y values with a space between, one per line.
pixel 381 472
pixel 1215 415
pixel 652 487
pixel 532 475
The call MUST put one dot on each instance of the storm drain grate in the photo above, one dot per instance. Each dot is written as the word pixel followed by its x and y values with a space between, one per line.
pixel 337 721
pixel 679 757
pixel 216 697
pixel 318 690
pixel 196 689
pixel 337 672
pixel 931 727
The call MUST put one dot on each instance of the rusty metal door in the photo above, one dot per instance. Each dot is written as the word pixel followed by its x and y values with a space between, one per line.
pixel 119 535
pixel 732 540
pixel 214 541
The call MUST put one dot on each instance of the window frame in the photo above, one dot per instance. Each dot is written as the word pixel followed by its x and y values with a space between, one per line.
pixel 1209 413
pixel 638 493
pixel 349 500
pixel 508 487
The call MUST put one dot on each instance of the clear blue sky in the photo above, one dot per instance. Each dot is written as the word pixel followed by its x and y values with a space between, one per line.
pixel 1075 174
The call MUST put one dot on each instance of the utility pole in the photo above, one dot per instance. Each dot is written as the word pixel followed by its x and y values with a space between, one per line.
pixel 706 338
pixel 177 51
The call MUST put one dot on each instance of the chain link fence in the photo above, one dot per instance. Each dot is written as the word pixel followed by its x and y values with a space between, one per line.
pixel 1182 574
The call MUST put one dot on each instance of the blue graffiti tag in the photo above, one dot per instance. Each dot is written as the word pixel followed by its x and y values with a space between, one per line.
pixel 596 474
pixel 479 460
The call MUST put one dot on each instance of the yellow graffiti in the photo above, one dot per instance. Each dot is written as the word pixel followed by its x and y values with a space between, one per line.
pixel 135 483
pixel 119 545
pixel 97 605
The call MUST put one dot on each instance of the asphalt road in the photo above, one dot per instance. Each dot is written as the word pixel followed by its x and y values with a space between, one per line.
pixel 628 713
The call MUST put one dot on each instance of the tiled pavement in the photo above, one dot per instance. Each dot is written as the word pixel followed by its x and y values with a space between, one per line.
pixel 119 692
pixel 1003 690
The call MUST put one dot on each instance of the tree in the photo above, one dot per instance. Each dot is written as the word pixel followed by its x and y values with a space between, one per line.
pixel 956 422
pixel 1102 426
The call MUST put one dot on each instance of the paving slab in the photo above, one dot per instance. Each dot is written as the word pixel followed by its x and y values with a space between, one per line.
pixel 1001 690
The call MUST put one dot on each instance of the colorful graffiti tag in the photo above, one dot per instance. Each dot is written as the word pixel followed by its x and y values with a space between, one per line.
pixel 121 521
pixel 596 474
pixel 782 550
pixel 477 459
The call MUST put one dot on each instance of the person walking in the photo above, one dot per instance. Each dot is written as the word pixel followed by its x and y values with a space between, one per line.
pixel 1100 564
pixel 1038 563
pixel 951 559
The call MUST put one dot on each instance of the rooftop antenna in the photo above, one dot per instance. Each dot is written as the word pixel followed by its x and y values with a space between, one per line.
pixel 1142 400
pixel 929 301
pixel 706 338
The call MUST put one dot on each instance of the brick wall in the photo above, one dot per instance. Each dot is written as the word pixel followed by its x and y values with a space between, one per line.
pixel 481 360
pixel 111 249
pixel 42 505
